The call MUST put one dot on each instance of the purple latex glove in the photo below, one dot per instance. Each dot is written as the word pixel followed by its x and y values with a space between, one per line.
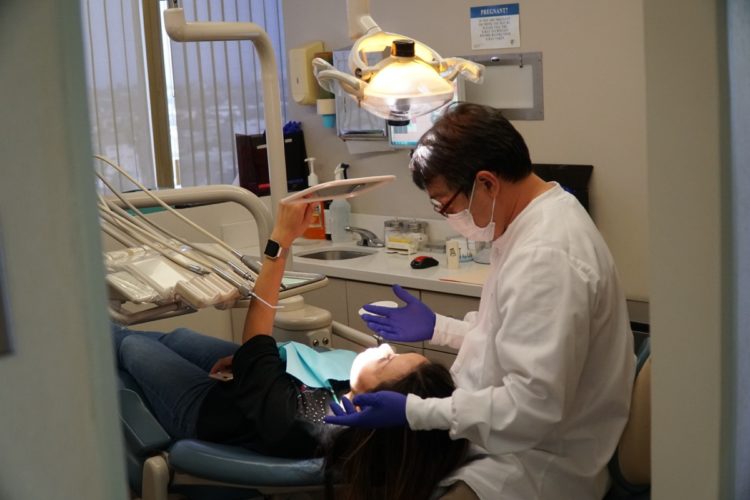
pixel 410 323
pixel 377 410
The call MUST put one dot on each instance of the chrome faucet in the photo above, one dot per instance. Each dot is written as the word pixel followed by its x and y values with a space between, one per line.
pixel 366 237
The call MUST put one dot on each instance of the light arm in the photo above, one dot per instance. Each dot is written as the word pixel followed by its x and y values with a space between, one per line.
pixel 358 16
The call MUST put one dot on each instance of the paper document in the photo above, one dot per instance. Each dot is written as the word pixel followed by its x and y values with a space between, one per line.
pixel 475 276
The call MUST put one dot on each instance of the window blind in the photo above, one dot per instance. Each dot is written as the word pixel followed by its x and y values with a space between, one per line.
pixel 117 89
pixel 218 89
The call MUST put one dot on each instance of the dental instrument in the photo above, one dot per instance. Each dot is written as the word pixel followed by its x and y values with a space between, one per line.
pixel 129 224
pixel 168 280
pixel 140 274
pixel 116 215
pixel 185 248
pixel 198 266
pixel 243 258
pixel 169 253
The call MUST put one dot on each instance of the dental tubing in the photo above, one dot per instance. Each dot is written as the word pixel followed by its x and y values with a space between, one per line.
pixel 243 258
pixel 123 226
pixel 244 273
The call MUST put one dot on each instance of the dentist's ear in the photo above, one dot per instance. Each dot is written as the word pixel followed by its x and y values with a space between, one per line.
pixel 488 180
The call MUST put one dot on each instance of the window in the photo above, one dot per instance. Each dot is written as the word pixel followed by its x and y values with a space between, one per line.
pixel 218 89
pixel 213 89
pixel 117 89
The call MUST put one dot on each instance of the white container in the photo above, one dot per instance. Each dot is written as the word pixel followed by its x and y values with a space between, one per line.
pixel 391 228
pixel 339 211
pixel 452 252
pixel 417 231
pixel 464 250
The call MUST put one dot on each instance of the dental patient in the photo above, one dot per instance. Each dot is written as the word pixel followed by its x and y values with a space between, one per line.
pixel 270 411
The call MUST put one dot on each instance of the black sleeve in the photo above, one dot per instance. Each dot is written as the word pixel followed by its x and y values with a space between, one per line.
pixel 268 396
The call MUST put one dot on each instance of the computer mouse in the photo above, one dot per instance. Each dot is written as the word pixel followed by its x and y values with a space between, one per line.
pixel 423 262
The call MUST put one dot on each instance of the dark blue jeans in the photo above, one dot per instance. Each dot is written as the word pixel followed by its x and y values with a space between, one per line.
pixel 172 371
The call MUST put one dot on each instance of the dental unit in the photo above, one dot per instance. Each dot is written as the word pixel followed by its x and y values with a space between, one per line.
pixel 393 76
pixel 174 275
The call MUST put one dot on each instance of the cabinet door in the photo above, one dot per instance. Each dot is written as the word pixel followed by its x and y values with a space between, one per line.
pixel 406 348
pixel 359 293
pixel 454 306
pixel 208 321
pixel 331 297
pixel 442 358
pixel 338 342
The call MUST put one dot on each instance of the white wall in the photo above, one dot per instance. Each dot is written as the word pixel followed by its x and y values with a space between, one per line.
pixel 688 161
pixel 594 95
pixel 59 429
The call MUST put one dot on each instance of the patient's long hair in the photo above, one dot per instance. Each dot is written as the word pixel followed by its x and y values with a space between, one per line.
pixel 396 463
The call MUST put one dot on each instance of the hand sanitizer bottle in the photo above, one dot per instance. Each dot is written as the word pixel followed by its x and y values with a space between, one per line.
pixel 339 211
pixel 316 230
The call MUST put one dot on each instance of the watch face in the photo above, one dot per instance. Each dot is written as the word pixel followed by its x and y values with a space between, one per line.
pixel 273 249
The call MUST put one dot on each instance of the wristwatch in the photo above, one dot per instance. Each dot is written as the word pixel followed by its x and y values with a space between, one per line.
pixel 273 250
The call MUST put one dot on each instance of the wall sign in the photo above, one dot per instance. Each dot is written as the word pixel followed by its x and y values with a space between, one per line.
pixel 495 26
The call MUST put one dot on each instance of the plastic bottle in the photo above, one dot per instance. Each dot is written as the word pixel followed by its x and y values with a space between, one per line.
pixel 339 211
pixel 452 249
pixel 317 229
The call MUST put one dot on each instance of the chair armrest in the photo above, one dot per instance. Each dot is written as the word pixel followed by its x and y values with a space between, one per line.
pixel 143 433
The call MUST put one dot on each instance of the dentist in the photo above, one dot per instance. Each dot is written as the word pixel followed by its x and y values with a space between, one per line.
pixel 545 366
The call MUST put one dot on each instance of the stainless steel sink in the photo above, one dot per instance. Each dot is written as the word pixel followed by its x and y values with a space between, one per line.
pixel 336 254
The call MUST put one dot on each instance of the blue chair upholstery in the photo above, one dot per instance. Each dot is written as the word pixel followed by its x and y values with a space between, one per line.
pixel 230 472
pixel 232 464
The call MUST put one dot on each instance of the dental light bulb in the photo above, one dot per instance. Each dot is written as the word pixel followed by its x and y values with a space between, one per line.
pixel 406 87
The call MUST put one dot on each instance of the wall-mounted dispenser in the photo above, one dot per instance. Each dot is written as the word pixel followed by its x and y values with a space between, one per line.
pixel 304 85
pixel 326 105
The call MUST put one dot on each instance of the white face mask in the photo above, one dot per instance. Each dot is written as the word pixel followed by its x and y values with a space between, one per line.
pixel 463 223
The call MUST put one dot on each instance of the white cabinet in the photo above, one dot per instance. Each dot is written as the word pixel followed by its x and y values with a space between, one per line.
pixel 454 306
pixel 208 321
pixel 442 358
pixel 331 297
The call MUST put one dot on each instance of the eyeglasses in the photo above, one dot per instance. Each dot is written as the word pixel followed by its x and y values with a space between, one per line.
pixel 443 208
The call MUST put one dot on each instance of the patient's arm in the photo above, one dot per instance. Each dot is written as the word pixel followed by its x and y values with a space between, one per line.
pixel 291 222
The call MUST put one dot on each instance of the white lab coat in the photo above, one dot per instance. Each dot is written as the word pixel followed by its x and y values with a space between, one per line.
pixel 545 367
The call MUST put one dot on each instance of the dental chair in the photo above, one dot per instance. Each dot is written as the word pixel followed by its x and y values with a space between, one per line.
pixel 158 465
pixel 630 466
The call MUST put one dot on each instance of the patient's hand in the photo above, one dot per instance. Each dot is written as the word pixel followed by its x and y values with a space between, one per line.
pixel 291 222
pixel 223 365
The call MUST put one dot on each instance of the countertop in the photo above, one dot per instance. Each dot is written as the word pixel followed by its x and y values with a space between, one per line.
pixel 388 269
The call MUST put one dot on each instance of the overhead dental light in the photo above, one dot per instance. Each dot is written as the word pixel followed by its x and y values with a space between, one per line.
pixel 408 78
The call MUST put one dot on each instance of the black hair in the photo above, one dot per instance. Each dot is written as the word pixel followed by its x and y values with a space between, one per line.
pixel 466 139
pixel 397 463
